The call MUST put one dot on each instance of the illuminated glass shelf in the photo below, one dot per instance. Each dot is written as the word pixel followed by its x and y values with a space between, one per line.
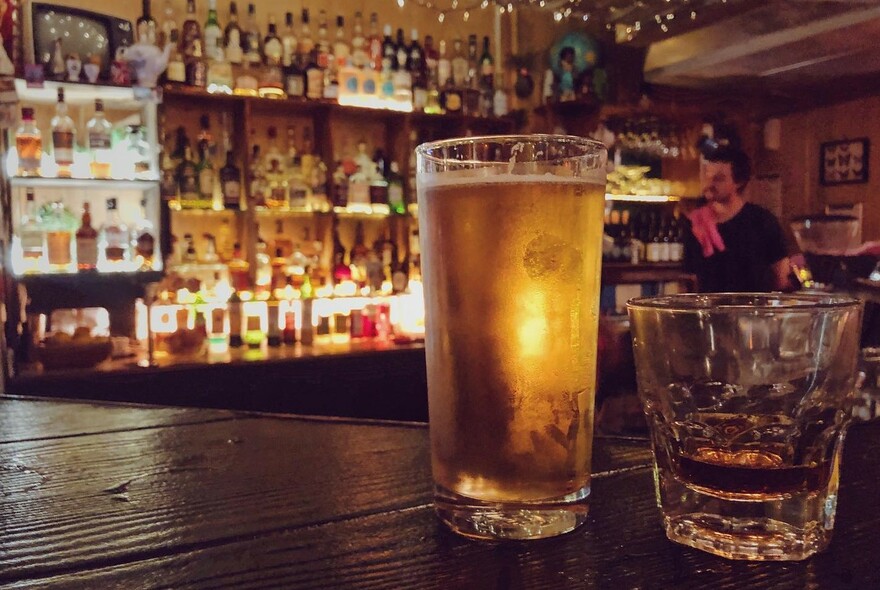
pixel 84 278
pixel 115 97
pixel 83 183
pixel 643 198
pixel 205 212
pixel 362 212
pixel 288 211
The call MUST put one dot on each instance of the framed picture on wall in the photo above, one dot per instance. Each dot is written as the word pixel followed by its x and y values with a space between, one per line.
pixel 844 162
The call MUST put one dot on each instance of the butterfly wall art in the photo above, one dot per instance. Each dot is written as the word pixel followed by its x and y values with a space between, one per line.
pixel 844 162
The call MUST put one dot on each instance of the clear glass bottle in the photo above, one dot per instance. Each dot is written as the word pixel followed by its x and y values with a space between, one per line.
pixel 305 43
pixel 31 233
pixel 100 136
pixel 188 180
pixel 359 55
pixel 251 41
pixel 63 137
pixel 139 153
pixel 232 37
pixel 288 41
pixel 28 144
pixel 341 48
pixel 191 32
pixel 374 44
pixel 207 178
pixel 115 235
pixel 86 242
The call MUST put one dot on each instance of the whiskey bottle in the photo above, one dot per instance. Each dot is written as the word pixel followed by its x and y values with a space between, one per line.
pixel 28 144
pixel 115 234
pixel 63 137
pixel 374 45
pixel 230 183
pixel 176 71
pixel 99 132
pixel 322 45
pixel 235 311
pixel 232 37
pixel 170 32
pixel 206 179
pixel 86 242
pixel 188 180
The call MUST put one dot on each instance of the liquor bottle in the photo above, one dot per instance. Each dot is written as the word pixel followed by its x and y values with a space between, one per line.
pixel 196 67
pixel 86 242
pixel 235 311
pixel 30 230
pixel 138 154
pixel 273 330
pixel 264 267
pixel 99 132
pixel 63 137
pixel 273 48
pixel 487 66
pixel 230 183
pixel 288 41
pixel 417 68
pixel 444 66
pixel 396 202
pixel 210 256
pixel 218 342
pixel 305 43
pixel 232 37
pixel 401 52
pixel 294 79
pixel 143 237
pixel 307 326
pixel 459 65
pixel 276 179
pixel 374 44
pixel 205 141
pixel 341 49
pixel 251 41
pixel 314 77
pixel 146 25
pixel 28 144
pixel 168 181
pixel 188 180
pixel 359 56
pixel 115 234
pixel 473 65
pixel 190 256
pixel 253 334
pixel 213 34
pixel 176 71
pixel 206 180
pixel 191 32
pixel 389 51
pixel 239 270
pixel 322 44
pixel 170 32
pixel 499 101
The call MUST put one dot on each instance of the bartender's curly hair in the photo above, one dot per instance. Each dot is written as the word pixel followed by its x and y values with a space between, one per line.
pixel 740 165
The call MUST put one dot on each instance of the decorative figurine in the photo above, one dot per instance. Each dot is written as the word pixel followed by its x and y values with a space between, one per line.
pixel 74 67
pixel 92 68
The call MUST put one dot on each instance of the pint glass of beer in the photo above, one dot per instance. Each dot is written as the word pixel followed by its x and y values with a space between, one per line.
pixel 511 233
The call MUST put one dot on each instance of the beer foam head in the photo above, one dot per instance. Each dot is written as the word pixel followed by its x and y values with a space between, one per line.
pixel 503 175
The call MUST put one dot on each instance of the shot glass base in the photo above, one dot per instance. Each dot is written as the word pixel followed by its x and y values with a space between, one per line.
pixel 755 539
pixel 789 528
pixel 498 521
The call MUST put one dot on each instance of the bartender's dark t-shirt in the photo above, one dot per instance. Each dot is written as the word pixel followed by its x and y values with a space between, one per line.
pixel 753 243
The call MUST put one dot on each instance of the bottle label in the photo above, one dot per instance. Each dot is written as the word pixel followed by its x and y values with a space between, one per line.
pixel 62 143
pixel 315 82
pixel 206 182
pixel 295 85
pixel 115 252
pixel 395 195
pixel 177 71
pixel 369 86
pixel 212 43
pixel 231 191
pixel 99 141
pixel 86 252
pixel 351 83
pixel 273 50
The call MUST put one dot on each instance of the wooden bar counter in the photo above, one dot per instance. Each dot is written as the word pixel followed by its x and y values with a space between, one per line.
pixel 117 496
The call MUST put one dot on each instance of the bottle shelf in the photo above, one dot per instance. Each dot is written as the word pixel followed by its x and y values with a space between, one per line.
pixel 78 94
pixel 288 212
pixel 205 212
pixel 83 183
pixel 362 213
pixel 73 279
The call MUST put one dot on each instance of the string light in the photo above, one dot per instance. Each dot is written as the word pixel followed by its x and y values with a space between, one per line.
pixel 629 18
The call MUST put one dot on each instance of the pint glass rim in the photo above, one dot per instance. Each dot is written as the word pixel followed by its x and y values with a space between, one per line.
pixel 590 146
pixel 734 303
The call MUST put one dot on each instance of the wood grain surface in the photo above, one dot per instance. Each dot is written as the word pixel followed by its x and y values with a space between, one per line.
pixel 98 496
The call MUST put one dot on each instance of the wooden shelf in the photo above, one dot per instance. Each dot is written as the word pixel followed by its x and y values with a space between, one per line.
pixel 618 273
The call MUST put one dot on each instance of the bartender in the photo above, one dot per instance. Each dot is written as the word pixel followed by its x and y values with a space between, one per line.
pixel 732 245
